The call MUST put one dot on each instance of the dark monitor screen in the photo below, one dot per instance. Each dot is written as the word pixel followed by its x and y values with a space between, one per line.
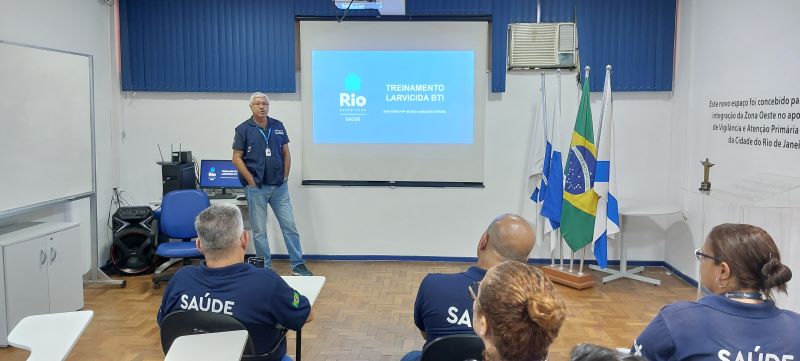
pixel 218 174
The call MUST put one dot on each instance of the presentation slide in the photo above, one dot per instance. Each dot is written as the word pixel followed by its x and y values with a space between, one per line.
pixel 219 174
pixel 393 97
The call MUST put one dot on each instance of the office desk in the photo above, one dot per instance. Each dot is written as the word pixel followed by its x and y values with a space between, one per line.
pixel 222 346
pixel 236 202
pixel 308 287
pixel 49 336
pixel 634 208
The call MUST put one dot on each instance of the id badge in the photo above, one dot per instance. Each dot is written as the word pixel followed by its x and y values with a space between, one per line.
pixel 269 152
pixel 257 261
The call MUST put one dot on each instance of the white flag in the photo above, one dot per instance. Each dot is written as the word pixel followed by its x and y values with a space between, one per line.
pixel 606 222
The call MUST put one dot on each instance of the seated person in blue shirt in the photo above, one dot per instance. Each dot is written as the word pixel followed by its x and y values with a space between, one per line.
pixel 741 267
pixel 443 306
pixel 257 297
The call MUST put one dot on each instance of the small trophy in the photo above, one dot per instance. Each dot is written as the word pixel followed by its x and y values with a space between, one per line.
pixel 705 185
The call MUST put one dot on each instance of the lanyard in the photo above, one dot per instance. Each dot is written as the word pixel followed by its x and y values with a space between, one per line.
pixel 266 138
pixel 745 295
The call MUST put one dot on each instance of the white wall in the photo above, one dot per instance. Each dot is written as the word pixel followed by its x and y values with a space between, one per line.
pixel 83 27
pixel 642 122
pixel 404 221
pixel 732 50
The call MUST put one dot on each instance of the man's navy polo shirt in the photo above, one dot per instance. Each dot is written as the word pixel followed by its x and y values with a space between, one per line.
pixel 717 328
pixel 444 306
pixel 257 297
pixel 250 140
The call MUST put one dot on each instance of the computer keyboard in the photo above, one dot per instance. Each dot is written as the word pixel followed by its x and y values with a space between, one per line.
pixel 222 196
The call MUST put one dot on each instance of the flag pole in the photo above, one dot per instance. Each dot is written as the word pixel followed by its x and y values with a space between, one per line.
pixel 558 95
pixel 557 232
pixel 583 255
pixel 544 114
pixel 560 251
pixel 602 109
pixel 571 260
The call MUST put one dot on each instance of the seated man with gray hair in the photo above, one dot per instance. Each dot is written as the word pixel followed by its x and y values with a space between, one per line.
pixel 223 283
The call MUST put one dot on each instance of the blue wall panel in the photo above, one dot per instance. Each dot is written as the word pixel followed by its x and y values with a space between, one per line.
pixel 505 12
pixel 558 11
pixel 637 37
pixel 207 45
pixel 448 7
pixel 247 45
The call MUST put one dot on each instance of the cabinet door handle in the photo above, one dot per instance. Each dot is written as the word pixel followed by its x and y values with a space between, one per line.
pixel 42 257
pixel 53 254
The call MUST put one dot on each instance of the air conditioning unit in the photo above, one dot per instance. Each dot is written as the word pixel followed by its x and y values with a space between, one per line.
pixel 358 4
pixel 542 46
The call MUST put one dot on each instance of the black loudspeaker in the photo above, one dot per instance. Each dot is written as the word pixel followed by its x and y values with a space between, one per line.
pixel 133 250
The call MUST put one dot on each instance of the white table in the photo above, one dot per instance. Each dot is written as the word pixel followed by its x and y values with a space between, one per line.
pixel 49 336
pixel 222 346
pixel 308 286
pixel 634 208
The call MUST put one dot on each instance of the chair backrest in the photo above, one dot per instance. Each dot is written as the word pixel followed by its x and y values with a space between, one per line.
pixel 178 211
pixel 185 322
pixel 182 323
pixel 453 348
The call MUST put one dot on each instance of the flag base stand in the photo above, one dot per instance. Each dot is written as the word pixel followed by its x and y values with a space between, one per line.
pixel 576 280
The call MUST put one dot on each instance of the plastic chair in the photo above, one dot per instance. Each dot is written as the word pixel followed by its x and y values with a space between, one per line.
pixel 175 219
pixel 184 322
pixel 454 348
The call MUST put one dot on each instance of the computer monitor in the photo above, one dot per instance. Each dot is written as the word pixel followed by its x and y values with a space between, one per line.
pixel 219 174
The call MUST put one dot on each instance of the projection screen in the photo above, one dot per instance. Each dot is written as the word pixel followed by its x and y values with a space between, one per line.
pixel 398 103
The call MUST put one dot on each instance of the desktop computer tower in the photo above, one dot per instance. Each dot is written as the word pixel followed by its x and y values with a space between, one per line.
pixel 183 156
pixel 176 176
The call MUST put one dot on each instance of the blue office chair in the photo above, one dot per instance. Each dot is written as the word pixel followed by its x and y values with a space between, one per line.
pixel 175 220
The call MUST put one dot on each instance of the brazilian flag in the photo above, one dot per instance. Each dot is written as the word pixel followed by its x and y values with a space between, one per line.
pixel 580 201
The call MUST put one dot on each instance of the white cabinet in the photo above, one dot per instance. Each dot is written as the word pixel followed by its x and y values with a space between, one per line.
pixel 40 271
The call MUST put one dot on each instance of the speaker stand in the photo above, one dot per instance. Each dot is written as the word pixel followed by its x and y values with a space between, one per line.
pixel 96 276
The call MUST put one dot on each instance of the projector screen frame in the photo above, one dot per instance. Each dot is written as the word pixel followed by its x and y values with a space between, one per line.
pixel 392 184
pixel 482 69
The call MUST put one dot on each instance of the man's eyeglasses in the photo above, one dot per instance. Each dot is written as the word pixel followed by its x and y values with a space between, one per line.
pixel 698 253
pixel 473 289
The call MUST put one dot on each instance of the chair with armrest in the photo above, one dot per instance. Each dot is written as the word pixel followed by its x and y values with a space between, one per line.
pixel 454 348
pixel 49 336
pixel 185 322
pixel 175 220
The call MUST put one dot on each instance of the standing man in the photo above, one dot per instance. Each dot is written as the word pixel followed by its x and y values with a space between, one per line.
pixel 261 155
pixel 444 306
